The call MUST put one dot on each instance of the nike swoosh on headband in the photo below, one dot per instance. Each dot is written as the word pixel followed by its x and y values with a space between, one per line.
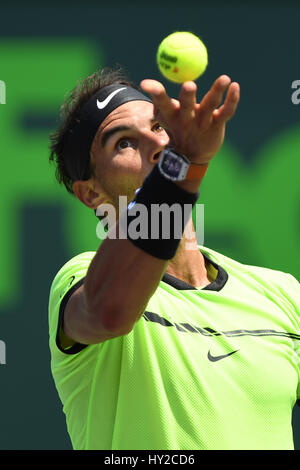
pixel 104 103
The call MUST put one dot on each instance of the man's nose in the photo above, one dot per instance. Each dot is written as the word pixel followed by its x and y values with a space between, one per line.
pixel 157 143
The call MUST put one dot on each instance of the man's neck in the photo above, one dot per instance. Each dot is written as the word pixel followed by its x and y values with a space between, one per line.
pixel 189 264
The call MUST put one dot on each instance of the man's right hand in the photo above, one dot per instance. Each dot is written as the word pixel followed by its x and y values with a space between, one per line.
pixel 198 129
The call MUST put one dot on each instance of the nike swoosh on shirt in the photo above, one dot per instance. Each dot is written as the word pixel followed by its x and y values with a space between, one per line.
pixel 70 283
pixel 104 103
pixel 218 358
pixel 71 280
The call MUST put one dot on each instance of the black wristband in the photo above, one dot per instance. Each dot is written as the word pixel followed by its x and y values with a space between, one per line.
pixel 164 210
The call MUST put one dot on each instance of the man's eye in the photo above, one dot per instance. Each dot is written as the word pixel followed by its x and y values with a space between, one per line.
pixel 124 143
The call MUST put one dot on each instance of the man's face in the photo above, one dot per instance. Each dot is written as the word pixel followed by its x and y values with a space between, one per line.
pixel 127 146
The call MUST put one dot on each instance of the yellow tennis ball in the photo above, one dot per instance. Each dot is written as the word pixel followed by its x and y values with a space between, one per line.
pixel 181 57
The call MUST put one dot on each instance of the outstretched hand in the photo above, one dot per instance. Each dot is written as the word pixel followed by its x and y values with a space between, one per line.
pixel 197 129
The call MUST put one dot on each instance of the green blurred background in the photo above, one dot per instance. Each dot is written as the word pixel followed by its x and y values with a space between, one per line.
pixel 251 192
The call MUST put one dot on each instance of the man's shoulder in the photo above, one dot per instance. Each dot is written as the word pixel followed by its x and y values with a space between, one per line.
pixel 69 277
pixel 77 263
pixel 273 279
pixel 70 273
pixel 266 272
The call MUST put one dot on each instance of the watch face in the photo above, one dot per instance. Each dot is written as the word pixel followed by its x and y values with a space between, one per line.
pixel 171 166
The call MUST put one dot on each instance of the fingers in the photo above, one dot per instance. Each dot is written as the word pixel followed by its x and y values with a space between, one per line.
pixel 209 110
pixel 214 96
pixel 161 101
pixel 213 99
pixel 167 106
pixel 228 109
pixel 187 99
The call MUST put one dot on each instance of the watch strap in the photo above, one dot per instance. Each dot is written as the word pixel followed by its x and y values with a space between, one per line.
pixel 196 171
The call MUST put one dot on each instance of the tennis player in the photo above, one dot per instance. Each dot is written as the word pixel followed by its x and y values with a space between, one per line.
pixel 157 343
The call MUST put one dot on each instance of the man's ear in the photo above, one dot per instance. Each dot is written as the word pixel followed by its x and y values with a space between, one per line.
pixel 89 194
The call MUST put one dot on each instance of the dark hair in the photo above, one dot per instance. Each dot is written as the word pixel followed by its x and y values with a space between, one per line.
pixel 82 92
